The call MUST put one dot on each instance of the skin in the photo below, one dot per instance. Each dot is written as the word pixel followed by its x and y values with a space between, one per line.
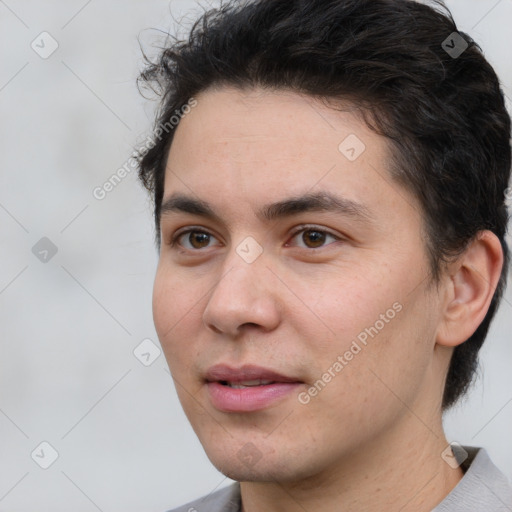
pixel 372 438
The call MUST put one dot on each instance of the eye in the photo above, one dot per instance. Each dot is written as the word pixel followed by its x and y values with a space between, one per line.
pixel 192 239
pixel 313 237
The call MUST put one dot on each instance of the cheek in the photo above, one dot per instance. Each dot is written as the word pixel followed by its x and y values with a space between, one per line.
pixel 164 307
pixel 174 309
pixel 353 305
pixel 376 326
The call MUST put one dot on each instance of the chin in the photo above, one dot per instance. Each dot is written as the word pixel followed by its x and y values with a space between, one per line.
pixel 252 463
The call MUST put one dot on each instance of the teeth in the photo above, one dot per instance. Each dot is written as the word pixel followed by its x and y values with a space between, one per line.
pixel 249 383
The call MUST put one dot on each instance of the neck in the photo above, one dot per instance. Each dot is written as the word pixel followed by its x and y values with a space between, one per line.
pixel 401 470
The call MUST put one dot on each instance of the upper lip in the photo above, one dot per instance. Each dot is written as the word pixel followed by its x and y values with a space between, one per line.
pixel 223 372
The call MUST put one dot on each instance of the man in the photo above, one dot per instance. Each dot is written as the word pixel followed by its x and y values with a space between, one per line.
pixel 330 214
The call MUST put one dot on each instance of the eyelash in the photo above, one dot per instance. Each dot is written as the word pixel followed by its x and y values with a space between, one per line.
pixel 300 229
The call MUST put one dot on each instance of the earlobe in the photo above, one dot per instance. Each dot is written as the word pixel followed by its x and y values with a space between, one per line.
pixel 471 286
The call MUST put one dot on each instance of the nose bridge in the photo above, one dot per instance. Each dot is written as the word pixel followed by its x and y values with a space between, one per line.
pixel 242 294
pixel 244 265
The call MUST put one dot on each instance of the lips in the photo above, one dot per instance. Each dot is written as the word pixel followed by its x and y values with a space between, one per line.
pixel 251 375
pixel 248 388
pixel 246 383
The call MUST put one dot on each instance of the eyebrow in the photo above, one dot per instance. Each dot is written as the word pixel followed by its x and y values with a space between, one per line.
pixel 314 202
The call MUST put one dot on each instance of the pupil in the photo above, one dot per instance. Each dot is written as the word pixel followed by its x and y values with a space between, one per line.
pixel 198 238
pixel 316 238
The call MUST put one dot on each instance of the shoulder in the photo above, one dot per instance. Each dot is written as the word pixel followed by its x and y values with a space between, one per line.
pixel 482 488
pixel 224 500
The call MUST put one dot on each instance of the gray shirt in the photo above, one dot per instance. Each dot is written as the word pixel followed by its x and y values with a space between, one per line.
pixel 483 488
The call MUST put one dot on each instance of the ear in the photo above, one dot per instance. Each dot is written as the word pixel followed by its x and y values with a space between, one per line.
pixel 470 286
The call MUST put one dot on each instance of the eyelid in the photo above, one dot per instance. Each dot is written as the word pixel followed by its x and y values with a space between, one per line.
pixel 314 227
pixel 186 230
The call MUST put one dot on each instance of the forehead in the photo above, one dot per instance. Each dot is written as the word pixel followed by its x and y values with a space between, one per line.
pixel 241 149
pixel 256 130
pixel 279 119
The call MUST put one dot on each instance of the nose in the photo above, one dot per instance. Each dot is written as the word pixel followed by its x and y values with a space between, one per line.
pixel 244 296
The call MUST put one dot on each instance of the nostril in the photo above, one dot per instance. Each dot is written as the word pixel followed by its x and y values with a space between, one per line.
pixel 250 324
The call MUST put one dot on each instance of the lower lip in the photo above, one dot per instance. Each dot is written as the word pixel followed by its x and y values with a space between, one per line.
pixel 248 399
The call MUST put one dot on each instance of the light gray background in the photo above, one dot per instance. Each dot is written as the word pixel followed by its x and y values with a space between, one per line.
pixel 68 327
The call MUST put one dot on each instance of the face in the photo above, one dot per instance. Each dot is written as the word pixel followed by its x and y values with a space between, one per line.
pixel 292 295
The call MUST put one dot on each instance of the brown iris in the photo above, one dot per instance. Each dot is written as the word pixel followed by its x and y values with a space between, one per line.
pixel 198 239
pixel 313 238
